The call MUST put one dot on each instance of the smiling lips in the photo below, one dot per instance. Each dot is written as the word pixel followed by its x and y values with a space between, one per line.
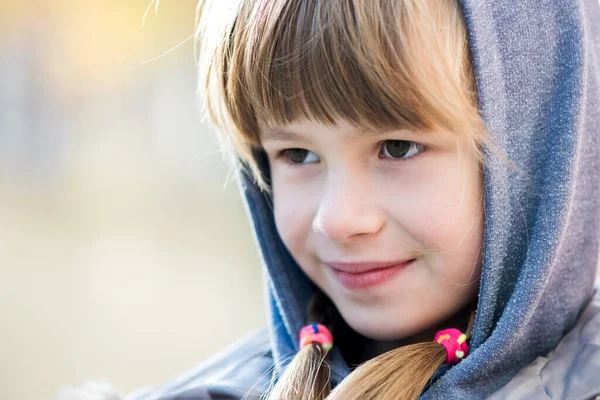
pixel 365 275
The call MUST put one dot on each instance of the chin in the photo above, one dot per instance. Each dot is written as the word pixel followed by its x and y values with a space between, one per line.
pixel 382 326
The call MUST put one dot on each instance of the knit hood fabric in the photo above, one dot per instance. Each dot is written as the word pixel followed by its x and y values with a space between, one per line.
pixel 537 65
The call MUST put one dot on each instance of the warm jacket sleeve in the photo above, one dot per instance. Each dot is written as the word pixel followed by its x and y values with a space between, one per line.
pixel 240 371
pixel 570 372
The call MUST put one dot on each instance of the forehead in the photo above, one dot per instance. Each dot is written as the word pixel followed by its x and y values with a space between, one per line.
pixel 313 127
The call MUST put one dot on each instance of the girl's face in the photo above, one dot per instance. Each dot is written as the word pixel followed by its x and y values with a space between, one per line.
pixel 388 224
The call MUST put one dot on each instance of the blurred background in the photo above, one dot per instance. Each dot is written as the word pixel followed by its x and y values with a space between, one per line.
pixel 121 237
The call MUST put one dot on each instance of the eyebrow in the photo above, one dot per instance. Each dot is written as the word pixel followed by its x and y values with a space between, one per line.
pixel 282 135
pixel 278 134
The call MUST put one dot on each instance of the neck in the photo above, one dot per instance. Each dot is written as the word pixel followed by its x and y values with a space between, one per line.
pixel 358 349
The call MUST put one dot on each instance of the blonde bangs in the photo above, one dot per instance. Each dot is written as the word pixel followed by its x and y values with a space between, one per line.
pixel 377 64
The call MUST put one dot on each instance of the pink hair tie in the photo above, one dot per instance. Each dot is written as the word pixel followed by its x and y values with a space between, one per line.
pixel 316 333
pixel 455 343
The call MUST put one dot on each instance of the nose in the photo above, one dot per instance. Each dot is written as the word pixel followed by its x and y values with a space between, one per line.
pixel 348 208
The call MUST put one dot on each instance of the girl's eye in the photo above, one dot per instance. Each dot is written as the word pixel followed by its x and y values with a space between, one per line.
pixel 400 149
pixel 301 156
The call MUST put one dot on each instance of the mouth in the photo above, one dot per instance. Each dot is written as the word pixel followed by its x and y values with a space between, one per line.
pixel 367 274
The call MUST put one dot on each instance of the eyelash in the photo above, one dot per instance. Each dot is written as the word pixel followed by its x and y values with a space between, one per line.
pixel 422 149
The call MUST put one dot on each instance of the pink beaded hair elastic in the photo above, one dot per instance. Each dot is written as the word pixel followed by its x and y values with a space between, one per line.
pixel 453 340
pixel 455 343
pixel 316 333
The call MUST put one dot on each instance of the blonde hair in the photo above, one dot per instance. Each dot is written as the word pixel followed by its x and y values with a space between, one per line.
pixel 377 64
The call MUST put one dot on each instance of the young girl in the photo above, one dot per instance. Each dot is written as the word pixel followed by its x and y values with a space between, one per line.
pixel 423 180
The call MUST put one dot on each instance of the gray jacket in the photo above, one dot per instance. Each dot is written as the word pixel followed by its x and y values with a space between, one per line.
pixel 570 372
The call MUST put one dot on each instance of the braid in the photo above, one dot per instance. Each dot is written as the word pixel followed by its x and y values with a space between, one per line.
pixel 403 373
pixel 307 375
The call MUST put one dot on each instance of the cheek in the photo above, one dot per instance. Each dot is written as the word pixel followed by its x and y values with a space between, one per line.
pixel 293 213
pixel 441 210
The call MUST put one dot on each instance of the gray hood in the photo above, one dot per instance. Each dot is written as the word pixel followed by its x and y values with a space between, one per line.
pixel 538 75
